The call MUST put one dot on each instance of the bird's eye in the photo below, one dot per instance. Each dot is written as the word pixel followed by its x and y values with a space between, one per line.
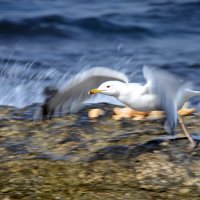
pixel 108 86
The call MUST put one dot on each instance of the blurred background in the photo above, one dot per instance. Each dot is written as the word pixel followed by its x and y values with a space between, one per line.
pixel 45 42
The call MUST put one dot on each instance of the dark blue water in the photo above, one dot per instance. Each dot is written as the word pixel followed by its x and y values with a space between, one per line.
pixel 44 42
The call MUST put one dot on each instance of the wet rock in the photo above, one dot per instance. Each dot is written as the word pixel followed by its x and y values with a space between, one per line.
pixel 74 157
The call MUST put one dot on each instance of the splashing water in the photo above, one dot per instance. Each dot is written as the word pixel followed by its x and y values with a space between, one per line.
pixel 22 83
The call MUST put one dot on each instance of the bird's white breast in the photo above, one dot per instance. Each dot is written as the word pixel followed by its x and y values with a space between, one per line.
pixel 137 97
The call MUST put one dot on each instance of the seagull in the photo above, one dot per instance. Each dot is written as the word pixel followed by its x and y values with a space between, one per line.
pixel 162 91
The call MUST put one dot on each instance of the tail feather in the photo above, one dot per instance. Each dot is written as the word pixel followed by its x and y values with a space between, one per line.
pixel 186 96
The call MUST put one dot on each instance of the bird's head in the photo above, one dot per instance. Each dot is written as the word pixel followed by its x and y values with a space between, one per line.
pixel 111 88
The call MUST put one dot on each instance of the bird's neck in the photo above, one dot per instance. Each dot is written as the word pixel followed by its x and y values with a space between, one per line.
pixel 123 92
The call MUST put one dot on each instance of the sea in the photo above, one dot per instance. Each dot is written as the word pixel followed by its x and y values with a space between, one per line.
pixel 46 42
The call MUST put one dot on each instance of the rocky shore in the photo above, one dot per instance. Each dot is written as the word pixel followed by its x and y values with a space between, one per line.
pixel 74 157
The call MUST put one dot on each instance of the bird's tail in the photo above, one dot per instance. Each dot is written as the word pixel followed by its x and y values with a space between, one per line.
pixel 192 93
pixel 185 96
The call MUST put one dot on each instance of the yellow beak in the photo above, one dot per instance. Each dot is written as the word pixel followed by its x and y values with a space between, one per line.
pixel 94 91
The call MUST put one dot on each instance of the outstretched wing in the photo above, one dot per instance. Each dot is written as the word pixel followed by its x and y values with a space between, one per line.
pixel 168 87
pixel 71 97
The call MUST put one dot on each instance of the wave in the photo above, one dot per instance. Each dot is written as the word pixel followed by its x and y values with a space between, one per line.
pixel 56 25
pixel 154 18
pixel 46 25
pixel 106 26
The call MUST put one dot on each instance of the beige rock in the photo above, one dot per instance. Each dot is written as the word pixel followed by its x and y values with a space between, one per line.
pixel 123 111
pixel 140 113
pixel 186 111
pixel 139 117
pixel 95 113
pixel 184 190
pixel 6 198
pixel 156 115
pixel 117 117
pixel 127 112
pixel 117 110
pixel 6 189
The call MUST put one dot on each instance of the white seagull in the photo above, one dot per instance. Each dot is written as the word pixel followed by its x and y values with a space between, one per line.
pixel 162 91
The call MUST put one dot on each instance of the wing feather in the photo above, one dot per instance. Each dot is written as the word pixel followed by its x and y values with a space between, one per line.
pixel 75 92
pixel 168 87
